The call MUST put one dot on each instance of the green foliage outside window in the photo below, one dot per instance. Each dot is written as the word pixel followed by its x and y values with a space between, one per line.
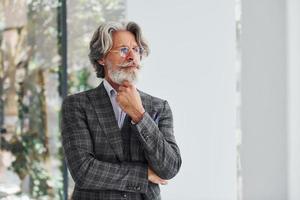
pixel 22 82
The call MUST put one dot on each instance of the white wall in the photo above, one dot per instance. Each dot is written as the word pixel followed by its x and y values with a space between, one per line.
pixel 264 100
pixel 192 65
pixel 293 48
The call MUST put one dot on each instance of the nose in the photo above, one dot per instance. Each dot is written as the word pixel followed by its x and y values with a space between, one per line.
pixel 130 55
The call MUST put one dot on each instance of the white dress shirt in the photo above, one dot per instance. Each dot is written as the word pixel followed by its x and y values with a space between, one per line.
pixel 112 93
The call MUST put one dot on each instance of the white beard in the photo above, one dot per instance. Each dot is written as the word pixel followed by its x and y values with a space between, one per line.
pixel 120 75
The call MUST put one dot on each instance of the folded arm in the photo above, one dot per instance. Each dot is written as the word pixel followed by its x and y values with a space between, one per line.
pixel 159 143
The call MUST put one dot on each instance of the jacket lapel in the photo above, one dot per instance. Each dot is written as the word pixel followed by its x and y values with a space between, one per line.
pixel 102 105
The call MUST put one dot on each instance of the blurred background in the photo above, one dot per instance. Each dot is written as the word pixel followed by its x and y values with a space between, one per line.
pixel 229 69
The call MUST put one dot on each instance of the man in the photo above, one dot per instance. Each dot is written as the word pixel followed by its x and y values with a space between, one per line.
pixel 118 141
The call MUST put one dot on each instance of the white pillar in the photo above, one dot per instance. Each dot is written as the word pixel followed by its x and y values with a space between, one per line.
pixel 293 48
pixel 192 65
pixel 264 100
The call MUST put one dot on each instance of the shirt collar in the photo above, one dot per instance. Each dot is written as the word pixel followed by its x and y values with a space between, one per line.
pixel 109 89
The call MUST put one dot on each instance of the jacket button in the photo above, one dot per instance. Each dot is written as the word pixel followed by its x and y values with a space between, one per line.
pixel 125 195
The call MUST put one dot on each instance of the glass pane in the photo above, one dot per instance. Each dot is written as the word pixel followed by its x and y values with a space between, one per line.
pixel 84 16
pixel 30 153
pixel 30 144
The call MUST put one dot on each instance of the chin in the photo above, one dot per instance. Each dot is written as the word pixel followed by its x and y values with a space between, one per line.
pixel 124 75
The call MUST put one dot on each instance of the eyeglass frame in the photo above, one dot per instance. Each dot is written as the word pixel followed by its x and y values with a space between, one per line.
pixel 140 53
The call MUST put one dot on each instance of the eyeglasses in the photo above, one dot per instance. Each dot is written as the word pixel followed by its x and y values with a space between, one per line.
pixel 124 51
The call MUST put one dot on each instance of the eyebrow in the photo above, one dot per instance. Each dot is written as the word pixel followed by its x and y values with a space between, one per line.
pixel 123 45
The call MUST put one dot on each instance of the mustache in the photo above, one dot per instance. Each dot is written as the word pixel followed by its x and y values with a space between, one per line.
pixel 129 64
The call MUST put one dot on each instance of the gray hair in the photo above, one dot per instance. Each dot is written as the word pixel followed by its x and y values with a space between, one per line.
pixel 101 42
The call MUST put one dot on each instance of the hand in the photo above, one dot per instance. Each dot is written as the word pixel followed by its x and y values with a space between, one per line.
pixel 130 101
pixel 152 177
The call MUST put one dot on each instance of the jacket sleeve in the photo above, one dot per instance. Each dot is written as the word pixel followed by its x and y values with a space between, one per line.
pixel 86 170
pixel 158 141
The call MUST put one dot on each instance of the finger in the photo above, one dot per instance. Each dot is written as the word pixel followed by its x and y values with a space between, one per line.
pixel 122 92
pixel 161 182
pixel 158 180
pixel 126 83
pixel 118 97
pixel 164 182
pixel 124 89
pixel 121 88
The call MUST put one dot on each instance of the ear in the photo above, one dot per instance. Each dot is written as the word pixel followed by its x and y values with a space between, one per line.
pixel 101 61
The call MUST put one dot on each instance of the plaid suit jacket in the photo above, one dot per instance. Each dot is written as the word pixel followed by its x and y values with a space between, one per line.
pixel 93 149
